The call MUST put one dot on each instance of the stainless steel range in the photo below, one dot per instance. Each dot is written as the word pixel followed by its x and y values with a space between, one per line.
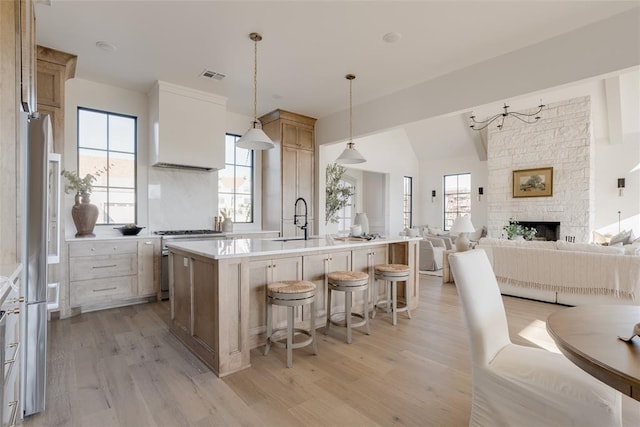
pixel 169 235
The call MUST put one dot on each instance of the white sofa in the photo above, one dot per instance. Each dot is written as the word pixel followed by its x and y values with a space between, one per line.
pixel 566 273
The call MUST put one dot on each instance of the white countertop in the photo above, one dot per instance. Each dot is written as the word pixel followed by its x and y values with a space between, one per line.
pixel 144 234
pixel 238 248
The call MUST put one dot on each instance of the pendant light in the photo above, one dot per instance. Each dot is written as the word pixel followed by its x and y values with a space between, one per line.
pixel 350 155
pixel 255 138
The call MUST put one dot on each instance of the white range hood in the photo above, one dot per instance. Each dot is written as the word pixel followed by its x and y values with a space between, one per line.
pixel 187 128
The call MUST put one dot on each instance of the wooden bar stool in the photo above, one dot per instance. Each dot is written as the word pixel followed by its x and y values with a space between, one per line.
pixel 291 293
pixel 348 282
pixel 392 273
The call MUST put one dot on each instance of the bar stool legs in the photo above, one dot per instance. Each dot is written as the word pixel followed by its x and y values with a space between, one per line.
pixel 348 282
pixel 393 273
pixel 291 294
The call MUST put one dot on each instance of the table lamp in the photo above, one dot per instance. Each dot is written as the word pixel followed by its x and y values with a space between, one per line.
pixel 461 226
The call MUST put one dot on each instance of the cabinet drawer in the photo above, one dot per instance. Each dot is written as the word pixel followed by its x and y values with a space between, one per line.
pixel 102 248
pixel 82 268
pixel 101 290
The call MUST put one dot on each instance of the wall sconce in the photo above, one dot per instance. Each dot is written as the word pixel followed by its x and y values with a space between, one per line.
pixel 480 193
pixel 620 187
pixel 433 196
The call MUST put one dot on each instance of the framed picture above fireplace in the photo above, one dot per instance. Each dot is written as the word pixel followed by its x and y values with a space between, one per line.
pixel 533 182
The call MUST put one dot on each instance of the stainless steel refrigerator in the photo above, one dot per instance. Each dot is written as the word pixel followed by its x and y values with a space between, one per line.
pixel 35 142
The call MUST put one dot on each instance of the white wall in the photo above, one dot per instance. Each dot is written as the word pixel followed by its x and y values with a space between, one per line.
pixel 166 198
pixel 432 178
pixel 388 153
pixel 85 93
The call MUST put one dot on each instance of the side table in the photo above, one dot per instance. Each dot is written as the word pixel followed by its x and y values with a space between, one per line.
pixel 447 277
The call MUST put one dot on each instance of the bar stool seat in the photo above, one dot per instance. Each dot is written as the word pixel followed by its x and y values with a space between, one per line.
pixel 291 294
pixel 392 273
pixel 348 282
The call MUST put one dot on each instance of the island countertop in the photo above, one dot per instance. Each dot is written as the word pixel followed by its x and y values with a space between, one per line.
pixel 240 248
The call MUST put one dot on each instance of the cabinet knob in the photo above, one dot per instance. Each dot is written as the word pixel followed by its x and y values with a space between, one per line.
pixel 93 249
pixel 148 243
pixel 13 311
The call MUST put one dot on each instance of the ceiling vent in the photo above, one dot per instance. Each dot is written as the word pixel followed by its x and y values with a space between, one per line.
pixel 209 74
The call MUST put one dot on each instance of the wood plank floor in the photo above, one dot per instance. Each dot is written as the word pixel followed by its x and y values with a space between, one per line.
pixel 122 367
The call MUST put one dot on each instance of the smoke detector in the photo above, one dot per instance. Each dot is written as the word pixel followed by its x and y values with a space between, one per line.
pixel 210 74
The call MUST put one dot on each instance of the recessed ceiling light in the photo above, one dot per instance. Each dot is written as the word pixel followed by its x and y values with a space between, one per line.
pixel 392 37
pixel 106 46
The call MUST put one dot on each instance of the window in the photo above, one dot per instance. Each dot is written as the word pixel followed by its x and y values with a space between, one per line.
pixel 457 194
pixel 107 142
pixel 407 202
pixel 346 214
pixel 235 182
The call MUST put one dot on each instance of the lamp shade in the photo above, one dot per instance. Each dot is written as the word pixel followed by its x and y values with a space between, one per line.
pixel 462 224
pixel 255 139
pixel 350 156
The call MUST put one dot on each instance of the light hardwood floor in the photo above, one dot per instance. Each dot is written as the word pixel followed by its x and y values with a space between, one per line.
pixel 122 367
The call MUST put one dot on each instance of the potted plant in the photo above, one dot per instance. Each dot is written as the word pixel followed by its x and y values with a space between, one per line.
pixel 84 213
pixel 337 193
pixel 515 230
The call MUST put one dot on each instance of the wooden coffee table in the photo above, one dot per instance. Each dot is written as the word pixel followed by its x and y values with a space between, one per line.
pixel 588 336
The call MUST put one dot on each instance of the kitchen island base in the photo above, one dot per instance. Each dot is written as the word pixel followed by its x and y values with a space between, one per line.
pixel 219 302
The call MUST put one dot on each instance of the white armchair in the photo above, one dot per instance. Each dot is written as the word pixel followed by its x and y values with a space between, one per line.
pixel 515 385
pixel 431 250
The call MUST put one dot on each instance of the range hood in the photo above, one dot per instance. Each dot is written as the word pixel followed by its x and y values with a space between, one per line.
pixel 187 128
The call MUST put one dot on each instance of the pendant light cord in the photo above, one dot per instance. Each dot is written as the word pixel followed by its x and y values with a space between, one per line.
pixel 350 111
pixel 255 80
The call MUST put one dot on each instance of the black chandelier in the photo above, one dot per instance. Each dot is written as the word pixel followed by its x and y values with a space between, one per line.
pixel 523 117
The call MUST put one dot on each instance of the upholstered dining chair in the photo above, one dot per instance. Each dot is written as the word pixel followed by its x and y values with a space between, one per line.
pixel 515 385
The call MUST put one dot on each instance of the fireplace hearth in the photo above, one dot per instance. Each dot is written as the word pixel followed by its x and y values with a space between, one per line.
pixel 545 230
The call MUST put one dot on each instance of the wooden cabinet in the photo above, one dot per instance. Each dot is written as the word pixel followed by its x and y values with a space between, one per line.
pixel 261 273
pixel 366 259
pixel 315 268
pixel 109 273
pixel 288 170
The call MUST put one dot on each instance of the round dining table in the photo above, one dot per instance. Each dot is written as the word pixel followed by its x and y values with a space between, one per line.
pixel 588 336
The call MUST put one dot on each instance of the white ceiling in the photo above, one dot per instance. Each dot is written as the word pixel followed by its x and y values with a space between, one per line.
pixel 308 46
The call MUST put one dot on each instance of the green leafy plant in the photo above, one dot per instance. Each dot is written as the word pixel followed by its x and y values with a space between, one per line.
pixel 337 193
pixel 514 228
pixel 81 186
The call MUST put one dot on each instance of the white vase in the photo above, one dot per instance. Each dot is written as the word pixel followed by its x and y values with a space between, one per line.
pixel 363 221
pixel 227 225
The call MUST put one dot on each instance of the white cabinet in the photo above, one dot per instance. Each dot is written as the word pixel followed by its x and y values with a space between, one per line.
pixel 110 273
pixel 187 128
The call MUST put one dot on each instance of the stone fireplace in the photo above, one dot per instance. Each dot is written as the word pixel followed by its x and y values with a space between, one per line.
pixel 561 139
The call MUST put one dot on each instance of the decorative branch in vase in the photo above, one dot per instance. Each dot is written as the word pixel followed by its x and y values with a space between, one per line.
pixel 84 214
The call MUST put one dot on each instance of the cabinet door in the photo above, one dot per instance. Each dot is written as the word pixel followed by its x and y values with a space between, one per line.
pixel 180 291
pixel 289 182
pixel 146 266
pixel 305 177
pixel 297 136
pixel 259 276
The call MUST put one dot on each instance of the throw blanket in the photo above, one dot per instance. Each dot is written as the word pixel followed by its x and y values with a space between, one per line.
pixel 568 271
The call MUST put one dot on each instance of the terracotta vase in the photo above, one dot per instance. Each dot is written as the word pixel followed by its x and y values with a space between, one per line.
pixel 84 216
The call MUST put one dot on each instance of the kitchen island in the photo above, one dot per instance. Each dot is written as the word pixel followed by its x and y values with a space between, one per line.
pixel 218 287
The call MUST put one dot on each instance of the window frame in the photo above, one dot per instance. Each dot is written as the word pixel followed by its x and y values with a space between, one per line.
pixel 108 151
pixel 341 216
pixel 458 193
pixel 253 179
pixel 405 195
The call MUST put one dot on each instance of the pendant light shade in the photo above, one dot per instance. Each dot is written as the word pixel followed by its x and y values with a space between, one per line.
pixel 350 155
pixel 255 138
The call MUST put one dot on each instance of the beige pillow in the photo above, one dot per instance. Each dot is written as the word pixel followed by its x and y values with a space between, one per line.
pixel 601 239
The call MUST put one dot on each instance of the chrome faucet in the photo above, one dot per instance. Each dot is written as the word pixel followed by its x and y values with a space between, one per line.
pixel 296 217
